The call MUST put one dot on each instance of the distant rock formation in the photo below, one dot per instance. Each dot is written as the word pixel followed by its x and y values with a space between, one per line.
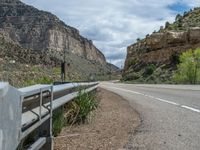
pixel 41 31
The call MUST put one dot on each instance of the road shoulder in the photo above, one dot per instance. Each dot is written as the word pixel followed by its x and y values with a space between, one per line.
pixel 114 122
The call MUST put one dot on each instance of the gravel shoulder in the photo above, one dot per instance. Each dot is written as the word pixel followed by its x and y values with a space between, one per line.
pixel 111 127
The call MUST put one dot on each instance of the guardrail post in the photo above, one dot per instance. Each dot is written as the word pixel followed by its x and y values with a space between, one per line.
pixel 51 113
pixel 46 127
pixel 40 112
pixel 10 117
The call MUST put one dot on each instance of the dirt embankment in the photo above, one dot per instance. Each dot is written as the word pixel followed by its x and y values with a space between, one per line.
pixel 110 129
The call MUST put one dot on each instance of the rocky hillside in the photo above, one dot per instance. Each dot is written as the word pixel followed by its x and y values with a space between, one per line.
pixel 40 31
pixel 22 67
pixel 155 57
pixel 32 45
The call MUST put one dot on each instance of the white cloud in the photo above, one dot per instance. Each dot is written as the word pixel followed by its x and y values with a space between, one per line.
pixel 113 24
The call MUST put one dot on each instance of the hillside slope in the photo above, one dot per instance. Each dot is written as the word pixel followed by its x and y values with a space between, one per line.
pixel 154 58
pixel 21 66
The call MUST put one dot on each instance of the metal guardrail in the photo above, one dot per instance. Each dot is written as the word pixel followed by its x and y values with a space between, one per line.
pixel 26 109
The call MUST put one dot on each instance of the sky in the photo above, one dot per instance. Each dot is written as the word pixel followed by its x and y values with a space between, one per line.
pixel 115 24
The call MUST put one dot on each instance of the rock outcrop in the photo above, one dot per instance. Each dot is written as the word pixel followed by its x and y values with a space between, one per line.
pixel 162 47
pixel 41 31
pixel 159 47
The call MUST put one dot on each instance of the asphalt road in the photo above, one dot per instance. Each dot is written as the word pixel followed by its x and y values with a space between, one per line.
pixel 170 115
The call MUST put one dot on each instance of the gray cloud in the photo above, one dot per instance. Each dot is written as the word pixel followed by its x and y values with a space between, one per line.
pixel 115 56
pixel 96 34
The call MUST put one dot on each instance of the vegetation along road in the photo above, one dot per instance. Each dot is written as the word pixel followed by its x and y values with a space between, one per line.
pixel 170 115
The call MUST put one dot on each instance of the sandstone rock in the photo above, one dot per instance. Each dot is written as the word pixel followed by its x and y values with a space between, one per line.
pixel 159 47
pixel 194 35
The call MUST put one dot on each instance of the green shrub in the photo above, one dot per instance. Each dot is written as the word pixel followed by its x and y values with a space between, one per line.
pixel 167 25
pixel 76 111
pixel 38 80
pixel 45 80
pixel 57 70
pixel 189 68
pixel 150 69
pixel 84 104
pixel 138 39
pixel 58 121
pixel 175 58
pixel 132 62
pixel 35 69
pixel 28 82
pixel 131 76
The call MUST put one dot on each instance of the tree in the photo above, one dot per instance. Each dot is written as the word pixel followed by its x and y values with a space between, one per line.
pixel 189 67
pixel 150 69
pixel 175 58
pixel 167 24
pixel 161 29
pixel 185 13
pixel 178 17
pixel 138 39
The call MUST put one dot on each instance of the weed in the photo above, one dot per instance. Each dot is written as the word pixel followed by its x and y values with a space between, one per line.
pixel 75 112
pixel 57 70
pixel 150 69
pixel 58 121
pixel 86 102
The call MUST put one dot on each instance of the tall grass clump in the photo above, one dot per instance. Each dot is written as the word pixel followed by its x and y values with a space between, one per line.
pixel 58 121
pixel 77 111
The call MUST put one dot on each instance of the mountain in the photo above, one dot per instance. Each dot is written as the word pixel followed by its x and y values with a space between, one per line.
pixel 154 58
pixel 113 68
pixel 40 30
pixel 38 38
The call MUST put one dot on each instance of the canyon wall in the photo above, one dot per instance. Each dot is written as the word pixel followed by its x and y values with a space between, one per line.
pixel 41 31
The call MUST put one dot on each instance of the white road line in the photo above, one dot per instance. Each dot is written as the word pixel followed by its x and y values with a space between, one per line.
pixel 190 108
pixel 166 101
pixel 151 96
pixel 159 99
pixel 127 90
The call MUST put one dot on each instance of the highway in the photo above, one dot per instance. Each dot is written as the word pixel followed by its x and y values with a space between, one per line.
pixel 170 115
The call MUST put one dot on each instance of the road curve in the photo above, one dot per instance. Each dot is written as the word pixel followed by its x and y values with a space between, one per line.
pixel 170 115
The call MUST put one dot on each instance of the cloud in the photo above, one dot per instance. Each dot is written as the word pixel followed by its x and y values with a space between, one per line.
pixel 115 24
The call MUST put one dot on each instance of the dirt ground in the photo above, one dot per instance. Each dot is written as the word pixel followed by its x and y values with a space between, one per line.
pixel 110 128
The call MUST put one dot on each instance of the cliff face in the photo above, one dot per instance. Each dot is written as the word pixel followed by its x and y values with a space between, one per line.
pixel 22 67
pixel 163 48
pixel 40 31
pixel 158 48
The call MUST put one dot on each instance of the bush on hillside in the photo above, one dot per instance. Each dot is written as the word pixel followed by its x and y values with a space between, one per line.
pixel 149 69
pixel 175 58
pixel 189 68
pixel 131 76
